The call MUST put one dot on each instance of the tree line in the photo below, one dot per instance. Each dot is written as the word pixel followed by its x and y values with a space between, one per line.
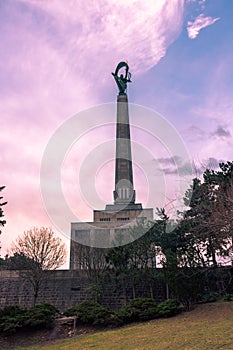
pixel 190 248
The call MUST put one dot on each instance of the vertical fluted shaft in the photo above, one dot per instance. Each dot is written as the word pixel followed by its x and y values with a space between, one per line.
pixel 124 190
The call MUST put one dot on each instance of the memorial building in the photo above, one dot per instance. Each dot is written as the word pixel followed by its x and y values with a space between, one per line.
pixel 116 219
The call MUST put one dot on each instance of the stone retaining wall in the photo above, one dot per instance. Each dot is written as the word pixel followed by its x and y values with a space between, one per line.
pixel 64 288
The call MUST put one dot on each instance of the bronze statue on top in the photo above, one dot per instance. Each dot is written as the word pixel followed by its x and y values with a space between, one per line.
pixel 122 80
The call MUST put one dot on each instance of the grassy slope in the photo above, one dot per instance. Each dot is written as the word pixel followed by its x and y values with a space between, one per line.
pixel 209 326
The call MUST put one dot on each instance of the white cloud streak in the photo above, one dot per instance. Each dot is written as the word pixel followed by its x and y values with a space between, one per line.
pixel 199 23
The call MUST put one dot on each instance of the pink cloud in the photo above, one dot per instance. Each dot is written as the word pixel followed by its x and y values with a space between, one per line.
pixel 56 59
pixel 138 31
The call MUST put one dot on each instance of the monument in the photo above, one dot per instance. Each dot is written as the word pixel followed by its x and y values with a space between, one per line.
pixel 117 217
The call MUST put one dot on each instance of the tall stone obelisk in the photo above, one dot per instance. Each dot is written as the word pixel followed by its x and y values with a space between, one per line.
pixel 124 190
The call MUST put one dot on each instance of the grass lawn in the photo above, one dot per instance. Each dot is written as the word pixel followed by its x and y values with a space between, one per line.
pixel 209 326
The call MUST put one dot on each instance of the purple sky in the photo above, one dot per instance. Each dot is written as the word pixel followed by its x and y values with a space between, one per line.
pixel 56 60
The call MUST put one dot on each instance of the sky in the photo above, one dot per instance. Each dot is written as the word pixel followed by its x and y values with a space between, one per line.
pixel 56 63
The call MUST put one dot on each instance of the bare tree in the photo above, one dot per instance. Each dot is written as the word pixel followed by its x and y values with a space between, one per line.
pixel 43 250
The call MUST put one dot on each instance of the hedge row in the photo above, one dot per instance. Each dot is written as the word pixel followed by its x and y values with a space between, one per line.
pixel 13 318
pixel 141 309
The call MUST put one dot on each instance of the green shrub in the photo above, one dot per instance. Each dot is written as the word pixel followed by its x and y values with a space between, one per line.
pixel 210 297
pixel 90 312
pixel 12 310
pixel 41 316
pixel 72 311
pixel 168 308
pixel 140 309
pixel 228 297
pixel 14 317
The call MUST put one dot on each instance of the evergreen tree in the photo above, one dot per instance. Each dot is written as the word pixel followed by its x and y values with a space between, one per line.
pixel 209 219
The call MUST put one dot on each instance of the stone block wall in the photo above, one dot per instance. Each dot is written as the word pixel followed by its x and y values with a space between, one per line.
pixel 65 288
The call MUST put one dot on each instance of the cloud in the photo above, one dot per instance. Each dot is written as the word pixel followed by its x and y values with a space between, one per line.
pixel 222 149
pixel 170 160
pixel 206 163
pixel 199 23
pixel 109 31
pixel 56 60
pixel 212 163
pixel 200 2
pixel 204 144
pixel 174 165
pixel 194 133
pixel 221 132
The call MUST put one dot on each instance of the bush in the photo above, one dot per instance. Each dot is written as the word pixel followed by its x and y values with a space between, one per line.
pixel 140 309
pixel 168 308
pixel 13 318
pixel 41 316
pixel 90 312
pixel 12 310
pixel 210 297
pixel 228 297
pixel 72 311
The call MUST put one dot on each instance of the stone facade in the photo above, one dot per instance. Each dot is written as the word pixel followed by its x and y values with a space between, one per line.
pixel 106 227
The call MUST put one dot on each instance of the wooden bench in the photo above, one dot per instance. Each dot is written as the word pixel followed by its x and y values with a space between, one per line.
pixel 66 320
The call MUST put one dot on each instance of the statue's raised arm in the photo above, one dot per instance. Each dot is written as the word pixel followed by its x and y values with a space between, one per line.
pixel 122 80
